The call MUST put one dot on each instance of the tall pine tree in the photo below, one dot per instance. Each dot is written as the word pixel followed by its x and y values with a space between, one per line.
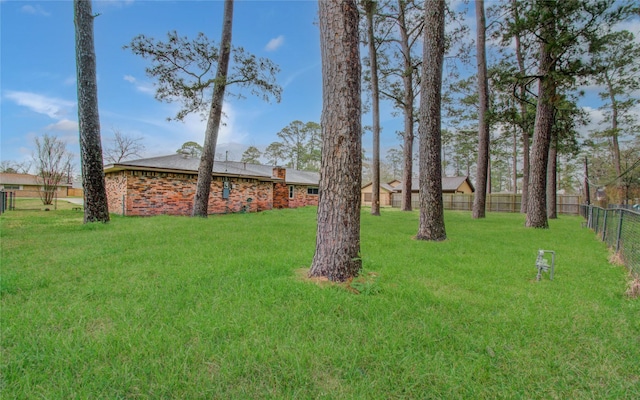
pixel 96 208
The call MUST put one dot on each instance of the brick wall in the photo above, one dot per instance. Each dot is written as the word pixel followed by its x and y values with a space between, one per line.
pixel 280 195
pixel 301 198
pixel 116 186
pixel 154 193
pixel 280 189
pixel 249 195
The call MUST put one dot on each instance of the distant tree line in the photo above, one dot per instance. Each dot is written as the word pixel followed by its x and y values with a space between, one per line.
pixel 299 147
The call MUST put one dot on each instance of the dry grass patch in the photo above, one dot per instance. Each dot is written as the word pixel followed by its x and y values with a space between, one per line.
pixel 616 258
pixel 634 288
pixel 365 283
pixel 303 275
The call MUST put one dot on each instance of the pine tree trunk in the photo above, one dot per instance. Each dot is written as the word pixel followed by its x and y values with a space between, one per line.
pixel 523 116
pixel 370 7
pixel 515 163
pixel 587 190
pixel 479 202
pixel 203 186
pixel 552 167
pixel 337 254
pixel 407 82
pixel 615 145
pixel 526 166
pixel 407 169
pixel 537 201
pixel 96 207
pixel 431 226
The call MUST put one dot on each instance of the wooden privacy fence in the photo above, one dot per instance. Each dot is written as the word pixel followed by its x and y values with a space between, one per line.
pixel 73 192
pixel 496 202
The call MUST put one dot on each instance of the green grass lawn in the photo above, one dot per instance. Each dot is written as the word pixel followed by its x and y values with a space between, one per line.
pixel 174 307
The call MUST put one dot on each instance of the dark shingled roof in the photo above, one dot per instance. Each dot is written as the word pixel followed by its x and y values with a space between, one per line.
pixel 187 164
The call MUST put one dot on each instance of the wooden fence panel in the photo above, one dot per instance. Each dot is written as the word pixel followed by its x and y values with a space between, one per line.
pixel 496 202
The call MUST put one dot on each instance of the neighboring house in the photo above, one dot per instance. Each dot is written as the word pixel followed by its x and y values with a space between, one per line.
pixel 450 184
pixel 386 190
pixel 167 185
pixel 394 183
pixel 26 185
pixel 393 190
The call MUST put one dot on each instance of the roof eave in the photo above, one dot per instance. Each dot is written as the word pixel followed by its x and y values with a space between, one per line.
pixel 124 167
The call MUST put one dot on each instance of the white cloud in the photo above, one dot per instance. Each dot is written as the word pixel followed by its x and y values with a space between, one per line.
pixel 293 76
pixel 70 81
pixel 193 127
pixel 64 125
pixel 275 43
pixel 25 152
pixel 103 4
pixel 53 107
pixel 35 10
pixel 144 87
pixel 596 117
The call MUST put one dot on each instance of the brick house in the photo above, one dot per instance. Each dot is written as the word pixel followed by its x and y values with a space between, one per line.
pixel 26 185
pixel 167 185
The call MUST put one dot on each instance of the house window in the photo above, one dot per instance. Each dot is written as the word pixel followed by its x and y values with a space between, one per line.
pixel 367 197
pixel 312 190
pixel 291 192
pixel 11 187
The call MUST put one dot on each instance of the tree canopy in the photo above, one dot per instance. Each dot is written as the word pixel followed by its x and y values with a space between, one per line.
pixel 185 69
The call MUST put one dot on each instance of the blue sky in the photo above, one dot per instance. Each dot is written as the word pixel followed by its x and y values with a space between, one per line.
pixel 38 84
pixel 38 71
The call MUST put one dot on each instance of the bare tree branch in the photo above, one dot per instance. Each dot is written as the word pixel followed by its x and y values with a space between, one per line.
pixel 123 147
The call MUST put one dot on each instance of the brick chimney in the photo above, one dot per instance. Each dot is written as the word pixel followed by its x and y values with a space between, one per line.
pixel 280 188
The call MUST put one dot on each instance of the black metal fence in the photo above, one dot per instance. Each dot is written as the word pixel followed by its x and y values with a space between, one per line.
pixel 24 200
pixel 7 201
pixel 620 229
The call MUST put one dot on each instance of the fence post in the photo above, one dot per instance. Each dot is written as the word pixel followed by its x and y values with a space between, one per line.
pixel 619 233
pixel 604 226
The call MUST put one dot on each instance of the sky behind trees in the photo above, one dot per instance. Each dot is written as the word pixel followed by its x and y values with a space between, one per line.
pixel 38 71
pixel 38 88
